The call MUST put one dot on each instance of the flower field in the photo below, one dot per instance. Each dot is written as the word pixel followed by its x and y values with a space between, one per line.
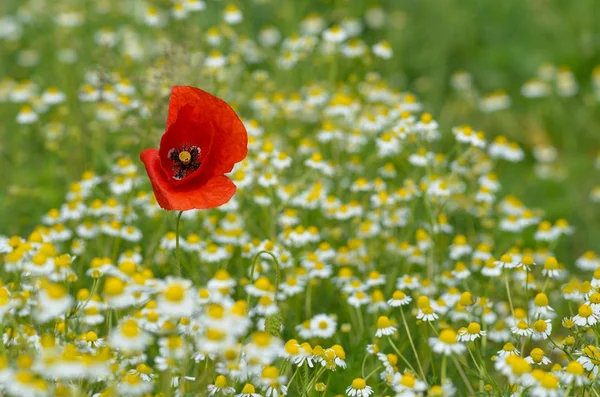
pixel 261 198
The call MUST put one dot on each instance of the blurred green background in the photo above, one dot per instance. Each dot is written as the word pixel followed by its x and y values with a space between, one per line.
pixel 501 43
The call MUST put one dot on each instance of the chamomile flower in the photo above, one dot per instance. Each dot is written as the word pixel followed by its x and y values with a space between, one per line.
pixel 133 385
pixel 585 316
pixel 447 343
pixel 383 50
pixel 27 115
pixel 491 268
pixel 537 357
pixel 521 328
pixel 541 307
pixel 272 382
pixel 336 34
pixel 389 361
pixel 574 375
pixel 407 384
pixel 323 326
pixel 129 337
pixel 470 333
pixel 117 294
pixel 176 298
pixel 358 299
pixel 384 327
pixel 399 298
pixel 548 385
pixel 233 15
pixel 589 357
pixel 508 350
pixel 359 388
pixel 53 301
pixel 220 386
pixel 588 261
pixel 425 312
pixel 459 247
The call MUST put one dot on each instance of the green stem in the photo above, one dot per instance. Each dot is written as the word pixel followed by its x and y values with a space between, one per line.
pixel 177 253
pixel 444 369
pixel 308 299
pixel 362 367
pixel 277 272
pixel 512 309
pixel 293 376
pixel 463 376
pixel 401 356
pixel 412 345
pixel 371 373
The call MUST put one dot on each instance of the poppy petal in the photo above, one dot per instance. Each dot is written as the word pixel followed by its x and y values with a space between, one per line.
pixel 217 190
pixel 230 140
pixel 191 129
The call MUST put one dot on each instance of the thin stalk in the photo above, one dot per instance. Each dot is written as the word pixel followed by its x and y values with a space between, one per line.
pixel 512 309
pixel 177 253
pixel 401 355
pixel 412 345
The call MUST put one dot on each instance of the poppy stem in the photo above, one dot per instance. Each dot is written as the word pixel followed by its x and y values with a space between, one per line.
pixel 277 272
pixel 177 254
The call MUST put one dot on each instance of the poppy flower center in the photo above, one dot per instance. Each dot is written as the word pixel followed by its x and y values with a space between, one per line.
pixel 186 159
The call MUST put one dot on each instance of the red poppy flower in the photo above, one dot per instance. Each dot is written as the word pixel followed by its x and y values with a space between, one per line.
pixel 203 140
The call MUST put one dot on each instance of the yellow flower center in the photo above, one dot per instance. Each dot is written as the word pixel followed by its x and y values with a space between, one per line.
pixel 474 328
pixel 541 300
pixel 4 296
pixel 24 377
pixel 540 326
pixel 585 310
pixel 292 347
pixel 216 311
pixel 261 339
pixel 575 368
pixel 551 263
pixel 392 359
pixel 359 384
pixel 130 329
pixel 152 316
pixel 466 299
pixel 270 372
pixel 537 354
pixel 127 267
pixel 509 347
pixel 383 322
pixel 248 389
pixel 448 336
pixel 519 365
pixel 549 381
pixel 422 302
pixel 185 157
pixel 91 336
pixel 221 382
pixel 214 334
pixel 174 293
pixel 132 379
pixel 56 291
pixel 114 286
pixel 522 325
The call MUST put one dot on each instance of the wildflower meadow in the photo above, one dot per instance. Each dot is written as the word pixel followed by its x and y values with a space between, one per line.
pixel 265 198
